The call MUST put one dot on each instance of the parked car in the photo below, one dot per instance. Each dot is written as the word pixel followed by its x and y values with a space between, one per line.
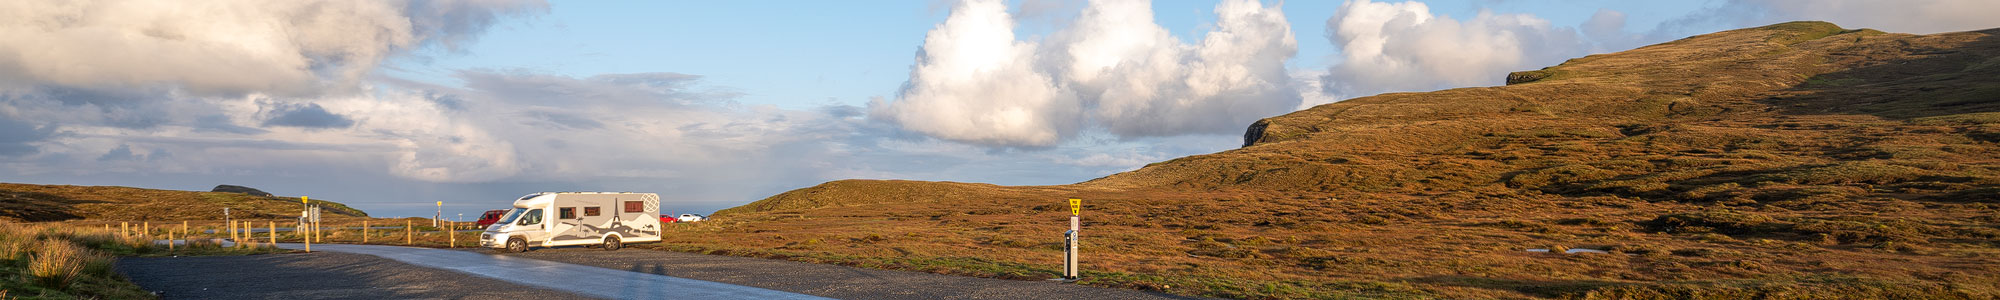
pixel 668 219
pixel 490 217
pixel 692 218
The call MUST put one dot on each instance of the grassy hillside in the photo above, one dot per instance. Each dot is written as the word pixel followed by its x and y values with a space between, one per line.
pixel 36 203
pixel 1792 160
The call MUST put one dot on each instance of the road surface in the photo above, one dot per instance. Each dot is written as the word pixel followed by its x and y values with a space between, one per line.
pixel 580 279
pixel 322 275
pixel 570 272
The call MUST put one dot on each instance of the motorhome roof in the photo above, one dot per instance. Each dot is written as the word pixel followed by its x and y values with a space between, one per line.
pixel 586 193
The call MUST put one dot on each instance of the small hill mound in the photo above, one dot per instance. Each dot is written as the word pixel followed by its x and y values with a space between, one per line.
pixel 240 190
pixel 39 203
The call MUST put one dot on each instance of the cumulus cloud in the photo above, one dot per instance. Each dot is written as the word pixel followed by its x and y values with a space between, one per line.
pixel 1390 47
pixel 229 47
pixel 1113 67
pixel 974 82
pixel 1140 81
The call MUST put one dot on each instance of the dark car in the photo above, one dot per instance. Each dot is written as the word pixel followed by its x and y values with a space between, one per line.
pixel 491 216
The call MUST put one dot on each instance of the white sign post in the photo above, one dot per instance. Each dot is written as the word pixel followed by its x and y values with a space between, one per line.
pixel 1075 223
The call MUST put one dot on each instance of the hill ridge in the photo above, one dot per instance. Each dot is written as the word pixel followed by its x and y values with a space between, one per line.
pixel 38 203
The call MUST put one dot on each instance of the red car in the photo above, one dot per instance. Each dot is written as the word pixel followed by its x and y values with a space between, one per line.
pixel 491 216
pixel 668 219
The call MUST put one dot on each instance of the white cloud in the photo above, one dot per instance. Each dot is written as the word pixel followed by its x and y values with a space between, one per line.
pixel 1390 47
pixel 225 47
pixel 974 82
pixel 1114 67
pixel 1140 81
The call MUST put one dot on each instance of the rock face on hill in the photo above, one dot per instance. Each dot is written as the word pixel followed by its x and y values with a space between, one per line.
pixel 1798 159
pixel 239 190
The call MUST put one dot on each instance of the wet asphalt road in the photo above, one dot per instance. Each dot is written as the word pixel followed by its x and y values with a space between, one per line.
pixel 832 281
pixel 416 273
pixel 580 279
pixel 319 275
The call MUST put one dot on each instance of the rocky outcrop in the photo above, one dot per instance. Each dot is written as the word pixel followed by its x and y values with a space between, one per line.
pixel 1527 76
pixel 239 190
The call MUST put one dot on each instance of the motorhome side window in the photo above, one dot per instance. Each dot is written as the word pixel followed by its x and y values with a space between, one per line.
pixel 591 211
pixel 635 206
pixel 567 212
pixel 532 217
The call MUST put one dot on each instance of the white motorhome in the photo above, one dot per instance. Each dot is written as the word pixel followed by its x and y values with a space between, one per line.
pixel 576 218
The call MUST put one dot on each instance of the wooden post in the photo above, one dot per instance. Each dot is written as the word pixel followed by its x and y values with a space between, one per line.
pixel 409 231
pixel 170 241
pixel 249 232
pixel 364 231
pixel 451 234
pixel 274 233
pixel 124 228
pixel 184 228
pixel 302 236
pixel 147 227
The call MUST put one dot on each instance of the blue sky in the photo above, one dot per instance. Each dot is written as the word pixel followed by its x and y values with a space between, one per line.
pixel 804 54
pixel 390 105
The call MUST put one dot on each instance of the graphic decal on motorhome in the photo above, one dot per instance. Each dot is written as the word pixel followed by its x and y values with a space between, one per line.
pixel 591 232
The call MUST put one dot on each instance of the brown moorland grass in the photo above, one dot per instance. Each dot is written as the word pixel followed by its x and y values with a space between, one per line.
pixel 38 203
pixel 1798 160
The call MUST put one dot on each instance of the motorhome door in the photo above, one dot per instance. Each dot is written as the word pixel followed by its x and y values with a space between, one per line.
pixel 532 228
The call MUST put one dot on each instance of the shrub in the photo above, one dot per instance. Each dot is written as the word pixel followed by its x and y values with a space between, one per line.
pixel 56 263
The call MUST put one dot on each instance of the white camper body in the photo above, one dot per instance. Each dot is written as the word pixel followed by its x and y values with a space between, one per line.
pixel 576 218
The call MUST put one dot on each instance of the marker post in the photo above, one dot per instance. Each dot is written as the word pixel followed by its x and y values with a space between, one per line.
pixel 303 226
pixel 1069 254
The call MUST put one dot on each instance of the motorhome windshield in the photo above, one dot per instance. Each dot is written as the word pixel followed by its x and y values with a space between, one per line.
pixel 511 214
